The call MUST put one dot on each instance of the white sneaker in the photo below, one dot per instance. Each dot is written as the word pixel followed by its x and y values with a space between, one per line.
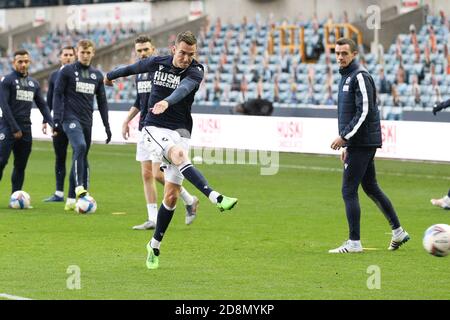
pixel 191 211
pixel 147 225
pixel 349 246
pixel 396 242
pixel 443 202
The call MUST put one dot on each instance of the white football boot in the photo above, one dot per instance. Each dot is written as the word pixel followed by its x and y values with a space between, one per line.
pixel 348 246
pixel 443 202
pixel 147 225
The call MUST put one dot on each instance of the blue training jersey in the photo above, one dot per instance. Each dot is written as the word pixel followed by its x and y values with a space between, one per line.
pixel 17 95
pixel 51 88
pixel 75 88
pixel 143 88
pixel 165 80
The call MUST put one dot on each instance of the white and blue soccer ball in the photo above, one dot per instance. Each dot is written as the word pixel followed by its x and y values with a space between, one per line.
pixel 436 240
pixel 85 205
pixel 20 200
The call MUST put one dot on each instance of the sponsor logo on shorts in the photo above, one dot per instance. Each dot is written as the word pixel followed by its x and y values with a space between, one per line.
pixel 165 139
pixel 72 125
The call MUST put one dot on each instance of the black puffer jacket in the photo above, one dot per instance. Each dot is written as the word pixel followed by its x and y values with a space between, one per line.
pixel 358 115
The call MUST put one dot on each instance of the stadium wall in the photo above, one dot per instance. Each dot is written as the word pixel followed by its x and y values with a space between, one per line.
pixel 228 11
pixel 401 139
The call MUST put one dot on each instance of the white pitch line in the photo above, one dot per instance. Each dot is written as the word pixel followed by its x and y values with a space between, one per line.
pixel 300 167
pixel 12 297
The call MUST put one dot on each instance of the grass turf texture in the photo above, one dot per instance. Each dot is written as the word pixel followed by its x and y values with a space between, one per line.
pixel 273 245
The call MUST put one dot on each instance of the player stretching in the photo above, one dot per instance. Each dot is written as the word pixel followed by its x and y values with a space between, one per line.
pixel 18 91
pixel 149 165
pixel 176 79
pixel 73 104
pixel 60 141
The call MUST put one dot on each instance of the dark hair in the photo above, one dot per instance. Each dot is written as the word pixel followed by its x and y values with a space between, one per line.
pixel 20 52
pixel 86 43
pixel 188 37
pixel 142 39
pixel 350 42
pixel 67 48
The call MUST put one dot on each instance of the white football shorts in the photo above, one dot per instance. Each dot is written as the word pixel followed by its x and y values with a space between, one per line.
pixel 158 142
pixel 143 152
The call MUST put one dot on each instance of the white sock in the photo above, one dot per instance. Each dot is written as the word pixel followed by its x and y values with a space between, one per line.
pixel 59 193
pixel 155 243
pixel 186 196
pixel 355 243
pixel 397 232
pixel 152 211
pixel 447 200
pixel 213 196
pixel 71 200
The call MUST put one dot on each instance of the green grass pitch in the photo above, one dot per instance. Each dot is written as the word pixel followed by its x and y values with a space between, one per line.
pixel 273 245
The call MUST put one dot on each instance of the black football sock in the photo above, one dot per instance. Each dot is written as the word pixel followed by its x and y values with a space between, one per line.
pixel 165 215
pixel 194 176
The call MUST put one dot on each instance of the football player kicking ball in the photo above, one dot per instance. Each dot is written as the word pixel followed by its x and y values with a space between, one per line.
pixel 149 165
pixel 168 125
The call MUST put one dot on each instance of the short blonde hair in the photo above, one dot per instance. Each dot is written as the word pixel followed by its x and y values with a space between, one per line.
pixel 86 43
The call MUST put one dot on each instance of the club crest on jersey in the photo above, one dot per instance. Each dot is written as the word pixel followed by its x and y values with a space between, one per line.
pixel 72 125
pixel 30 83
pixel 93 76
pixel 2 136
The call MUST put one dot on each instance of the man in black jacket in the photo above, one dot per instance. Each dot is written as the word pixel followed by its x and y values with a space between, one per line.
pixel 360 135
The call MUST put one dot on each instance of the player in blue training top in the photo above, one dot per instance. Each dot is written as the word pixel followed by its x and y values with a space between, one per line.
pixel 67 55
pixel 443 202
pixel 149 164
pixel 176 79
pixel 73 105
pixel 18 91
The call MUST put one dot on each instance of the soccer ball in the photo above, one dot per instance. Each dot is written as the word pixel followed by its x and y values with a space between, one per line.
pixel 85 205
pixel 436 240
pixel 19 200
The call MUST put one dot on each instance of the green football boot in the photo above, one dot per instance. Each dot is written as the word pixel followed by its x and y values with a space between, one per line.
pixel 226 203
pixel 152 261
